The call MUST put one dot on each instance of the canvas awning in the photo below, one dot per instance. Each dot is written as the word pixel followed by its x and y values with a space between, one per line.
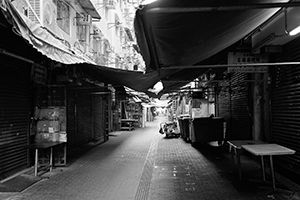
pixel 90 9
pixel 40 38
pixel 176 34
pixel 170 37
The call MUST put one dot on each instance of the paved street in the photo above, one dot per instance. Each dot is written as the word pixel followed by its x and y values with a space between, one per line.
pixel 144 165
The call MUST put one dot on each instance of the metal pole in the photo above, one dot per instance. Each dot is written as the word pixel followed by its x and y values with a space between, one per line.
pixel 223 8
pixel 230 65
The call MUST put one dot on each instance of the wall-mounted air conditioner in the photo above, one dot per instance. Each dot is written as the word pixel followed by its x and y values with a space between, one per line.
pixel 48 13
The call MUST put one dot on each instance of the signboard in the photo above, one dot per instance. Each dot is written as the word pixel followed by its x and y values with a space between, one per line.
pixel 248 69
pixel 246 58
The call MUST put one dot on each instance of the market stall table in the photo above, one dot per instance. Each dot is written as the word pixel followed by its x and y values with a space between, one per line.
pixel 235 148
pixel 268 150
pixel 128 124
pixel 45 145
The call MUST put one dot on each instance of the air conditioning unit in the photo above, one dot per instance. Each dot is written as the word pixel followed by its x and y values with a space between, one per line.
pixel 84 20
pixel 49 15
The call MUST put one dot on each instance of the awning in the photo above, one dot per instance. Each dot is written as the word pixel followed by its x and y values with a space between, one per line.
pixel 41 39
pixel 179 34
pixel 90 9
pixel 135 80
pixel 165 39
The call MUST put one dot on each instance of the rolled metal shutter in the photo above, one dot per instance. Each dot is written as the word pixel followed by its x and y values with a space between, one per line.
pixel 241 106
pixel 99 118
pixel 83 103
pixel 14 114
pixel 71 119
pixel 224 106
pixel 235 106
pixel 285 111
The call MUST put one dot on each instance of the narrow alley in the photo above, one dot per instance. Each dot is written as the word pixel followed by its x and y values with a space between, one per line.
pixel 142 164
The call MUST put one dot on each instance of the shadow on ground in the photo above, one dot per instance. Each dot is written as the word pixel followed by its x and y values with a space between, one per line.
pixel 251 182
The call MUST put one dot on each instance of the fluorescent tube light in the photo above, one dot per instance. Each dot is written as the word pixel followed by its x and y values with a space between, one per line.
pixel 295 31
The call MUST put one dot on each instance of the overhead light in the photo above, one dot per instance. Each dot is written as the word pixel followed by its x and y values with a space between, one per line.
pixel 295 31
pixel 146 2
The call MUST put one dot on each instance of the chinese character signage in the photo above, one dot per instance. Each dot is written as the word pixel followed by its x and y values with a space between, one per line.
pixel 246 58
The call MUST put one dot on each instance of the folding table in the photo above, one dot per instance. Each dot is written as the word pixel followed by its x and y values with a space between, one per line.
pixel 268 150
pixel 235 148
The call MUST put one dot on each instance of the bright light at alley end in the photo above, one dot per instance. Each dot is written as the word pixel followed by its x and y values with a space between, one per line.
pixel 157 87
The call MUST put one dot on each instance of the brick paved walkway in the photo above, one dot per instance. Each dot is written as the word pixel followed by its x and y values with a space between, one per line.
pixel 144 165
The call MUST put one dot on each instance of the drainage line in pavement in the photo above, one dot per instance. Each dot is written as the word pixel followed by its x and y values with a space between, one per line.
pixel 144 185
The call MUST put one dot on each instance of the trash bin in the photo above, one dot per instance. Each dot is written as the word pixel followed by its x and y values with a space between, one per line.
pixel 184 127
pixel 206 129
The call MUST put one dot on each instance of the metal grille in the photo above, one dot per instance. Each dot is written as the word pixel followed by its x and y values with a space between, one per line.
pixel 99 119
pixel 285 106
pixel 14 115
pixel 234 106
pixel 83 117
pixel 71 128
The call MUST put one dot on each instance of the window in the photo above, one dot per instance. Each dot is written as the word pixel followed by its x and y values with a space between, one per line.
pixel 63 16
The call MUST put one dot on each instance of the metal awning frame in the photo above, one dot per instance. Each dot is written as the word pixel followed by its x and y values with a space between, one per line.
pixel 223 8
pixel 231 65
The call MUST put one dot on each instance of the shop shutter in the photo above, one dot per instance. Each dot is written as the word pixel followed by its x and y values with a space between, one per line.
pixel 83 104
pixel 224 106
pixel 86 115
pixel 14 114
pixel 99 118
pixel 71 120
pixel 235 106
pixel 285 108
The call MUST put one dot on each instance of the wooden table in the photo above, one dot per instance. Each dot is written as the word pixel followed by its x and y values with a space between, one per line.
pixel 235 148
pixel 45 145
pixel 268 150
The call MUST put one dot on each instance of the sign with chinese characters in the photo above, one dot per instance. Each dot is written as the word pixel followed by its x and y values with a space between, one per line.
pixel 246 58
pixel 246 69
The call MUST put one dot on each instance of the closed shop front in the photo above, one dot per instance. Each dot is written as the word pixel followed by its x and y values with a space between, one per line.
pixel 86 115
pixel 285 108
pixel 100 117
pixel 83 107
pixel 79 116
pixel 14 114
pixel 235 105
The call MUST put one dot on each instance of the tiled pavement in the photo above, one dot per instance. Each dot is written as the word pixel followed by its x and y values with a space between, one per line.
pixel 144 165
